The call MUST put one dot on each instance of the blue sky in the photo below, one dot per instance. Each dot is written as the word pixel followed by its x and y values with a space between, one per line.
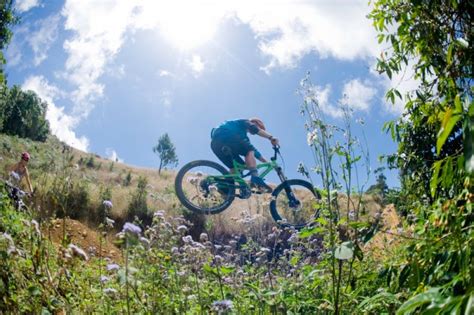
pixel 118 74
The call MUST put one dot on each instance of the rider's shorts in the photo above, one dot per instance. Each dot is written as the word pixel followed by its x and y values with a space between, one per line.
pixel 230 148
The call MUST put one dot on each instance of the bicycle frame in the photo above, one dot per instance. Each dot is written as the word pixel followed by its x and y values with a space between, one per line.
pixel 238 175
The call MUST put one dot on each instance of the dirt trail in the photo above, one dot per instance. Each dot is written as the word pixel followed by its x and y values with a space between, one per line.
pixel 84 237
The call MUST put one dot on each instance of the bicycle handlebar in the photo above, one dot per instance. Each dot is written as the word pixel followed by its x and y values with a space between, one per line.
pixel 276 150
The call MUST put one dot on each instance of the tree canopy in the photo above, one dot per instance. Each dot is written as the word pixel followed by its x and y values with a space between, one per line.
pixel 166 152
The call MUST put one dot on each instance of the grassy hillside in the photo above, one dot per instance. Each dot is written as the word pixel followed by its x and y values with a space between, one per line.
pixel 75 183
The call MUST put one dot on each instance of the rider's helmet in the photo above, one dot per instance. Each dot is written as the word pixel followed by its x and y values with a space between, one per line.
pixel 257 122
pixel 25 156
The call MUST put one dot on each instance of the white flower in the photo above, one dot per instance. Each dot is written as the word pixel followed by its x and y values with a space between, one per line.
pixel 78 252
pixel 222 306
pixel 203 237
pixel 312 137
pixel 159 213
pixel 109 222
pixel 187 239
pixel 36 226
pixel 182 228
pixel 464 43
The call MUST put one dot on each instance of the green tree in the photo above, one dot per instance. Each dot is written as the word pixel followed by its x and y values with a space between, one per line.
pixel 7 20
pixel 435 134
pixel 138 206
pixel 166 152
pixel 435 148
pixel 25 115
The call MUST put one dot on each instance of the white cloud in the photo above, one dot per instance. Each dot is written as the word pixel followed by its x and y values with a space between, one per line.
pixel 321 95
pixel 164 73
pixel 61 124
pixel 197 65
pixel 98 28
pixel 357 94
pixel 40 40
pixel 25 5
pixel 285 30
pixel 288 30
pixel 112 155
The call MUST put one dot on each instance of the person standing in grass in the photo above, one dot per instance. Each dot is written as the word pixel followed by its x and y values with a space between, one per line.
pixel 19 171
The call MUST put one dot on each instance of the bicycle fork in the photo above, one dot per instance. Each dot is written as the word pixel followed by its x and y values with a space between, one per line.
pixel 293 202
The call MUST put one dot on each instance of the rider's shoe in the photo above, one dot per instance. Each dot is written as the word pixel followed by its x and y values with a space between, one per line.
pixel 258 182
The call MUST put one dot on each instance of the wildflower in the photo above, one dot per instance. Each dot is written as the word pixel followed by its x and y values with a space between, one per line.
pixel 104 279
pixel 111 267
pixel 36 226
pixel 131 228
pixel 187 239
pixel 110 291
pixel 203 237
pixel 175 250
pixel 11 245
pixel 78 252
pixel 222 306
pixel 462 42
pixel 109 222
pixel 145 241
pixel 182 228
pixel 107 204
pixel 312 137
pixel 352 214
pixel 159 214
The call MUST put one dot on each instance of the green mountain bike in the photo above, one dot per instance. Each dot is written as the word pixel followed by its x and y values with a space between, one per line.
pixel 207 187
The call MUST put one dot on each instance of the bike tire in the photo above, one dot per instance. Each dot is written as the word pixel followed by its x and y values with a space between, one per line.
pixel 288 218
pixel 185 201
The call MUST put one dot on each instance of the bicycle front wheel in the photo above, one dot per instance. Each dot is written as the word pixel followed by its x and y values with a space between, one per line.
pixel 201 187
pixel 295 203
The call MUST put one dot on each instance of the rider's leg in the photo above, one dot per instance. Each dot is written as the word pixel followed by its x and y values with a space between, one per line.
pixel 251 163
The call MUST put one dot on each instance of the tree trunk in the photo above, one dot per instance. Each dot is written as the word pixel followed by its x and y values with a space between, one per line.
pixel 159 169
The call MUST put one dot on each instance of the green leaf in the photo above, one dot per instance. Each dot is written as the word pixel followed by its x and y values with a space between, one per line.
pixel 468 129
pixel 450 118
pixel 419 300
pixel 344 251
pixel 470 305
pixel 434 178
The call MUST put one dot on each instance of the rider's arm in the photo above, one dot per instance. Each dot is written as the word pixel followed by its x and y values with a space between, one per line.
pixel 28 180
pixel 266 135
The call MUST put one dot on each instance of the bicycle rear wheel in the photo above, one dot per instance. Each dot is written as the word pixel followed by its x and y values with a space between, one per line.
pixel 201 188
pixel 294 203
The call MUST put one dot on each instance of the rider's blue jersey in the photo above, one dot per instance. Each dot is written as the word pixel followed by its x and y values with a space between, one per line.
pixel 229 129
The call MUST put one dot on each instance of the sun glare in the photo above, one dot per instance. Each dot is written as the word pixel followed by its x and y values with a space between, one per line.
pixel 187 25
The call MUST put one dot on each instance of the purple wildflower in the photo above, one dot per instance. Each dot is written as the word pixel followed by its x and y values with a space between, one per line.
pixel 111 267
pixel 108 204
pixel 131 228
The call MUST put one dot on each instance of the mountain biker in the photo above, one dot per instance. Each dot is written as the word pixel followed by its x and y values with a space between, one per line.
pixel 19 170
pixel 230 142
